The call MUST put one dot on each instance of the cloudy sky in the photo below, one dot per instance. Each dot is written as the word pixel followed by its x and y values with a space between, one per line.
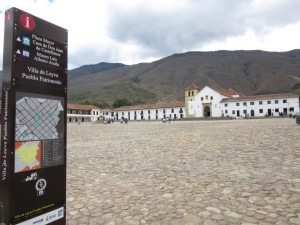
pixel 134 31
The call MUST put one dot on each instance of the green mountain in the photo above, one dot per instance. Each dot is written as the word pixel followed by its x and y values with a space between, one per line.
pixel 89 69
pixel 250 72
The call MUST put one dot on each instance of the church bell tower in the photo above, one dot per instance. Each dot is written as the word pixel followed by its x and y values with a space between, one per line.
pixel 190 93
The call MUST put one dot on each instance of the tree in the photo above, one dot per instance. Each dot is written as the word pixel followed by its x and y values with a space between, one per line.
pixel 121 102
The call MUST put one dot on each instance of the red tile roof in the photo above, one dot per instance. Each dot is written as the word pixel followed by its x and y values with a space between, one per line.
pixel 228 93
pixel 152 106
pixel 221 92
pixel 80 107
pixel 193 87
pixel 231 92
pixel 260 97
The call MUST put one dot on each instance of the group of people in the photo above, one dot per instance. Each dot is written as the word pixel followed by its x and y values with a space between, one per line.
pixel 124 120
pixel 110 120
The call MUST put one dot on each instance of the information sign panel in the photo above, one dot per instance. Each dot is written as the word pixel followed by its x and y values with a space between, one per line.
pixel 33 121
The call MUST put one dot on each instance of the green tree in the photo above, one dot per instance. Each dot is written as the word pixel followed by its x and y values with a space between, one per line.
pixel 121 102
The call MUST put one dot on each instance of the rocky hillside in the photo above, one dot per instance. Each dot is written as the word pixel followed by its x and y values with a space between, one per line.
pixel 250 72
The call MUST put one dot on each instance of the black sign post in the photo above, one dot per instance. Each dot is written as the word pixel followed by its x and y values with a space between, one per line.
pixel 33 121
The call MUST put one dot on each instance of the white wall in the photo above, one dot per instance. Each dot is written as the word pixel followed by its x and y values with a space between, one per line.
pixel 83 115
pixel 261 108
pixel 151 114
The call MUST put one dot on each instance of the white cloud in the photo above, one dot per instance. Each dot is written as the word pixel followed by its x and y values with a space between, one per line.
pixel 280 39
pixel 134 31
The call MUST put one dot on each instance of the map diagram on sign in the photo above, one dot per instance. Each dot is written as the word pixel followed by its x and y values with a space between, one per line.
pixel 28 156
pixel 37 118
pixel 39 131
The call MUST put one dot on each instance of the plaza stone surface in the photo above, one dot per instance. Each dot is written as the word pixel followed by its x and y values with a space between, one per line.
pixel 195 172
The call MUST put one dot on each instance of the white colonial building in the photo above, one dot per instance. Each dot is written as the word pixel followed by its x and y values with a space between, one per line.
pixel 199 102
pixel 261 105
pixel 210 102
pixel 172 110
pixel 89 113
pixel 82 113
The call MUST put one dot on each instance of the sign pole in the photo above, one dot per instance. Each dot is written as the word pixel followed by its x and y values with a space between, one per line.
pixel 33 121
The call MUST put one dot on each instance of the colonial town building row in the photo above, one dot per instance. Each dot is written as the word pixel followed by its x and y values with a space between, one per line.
pixel 199 102
pixel 89 113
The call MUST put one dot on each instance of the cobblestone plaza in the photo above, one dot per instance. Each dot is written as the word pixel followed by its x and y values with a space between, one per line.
pixel 184 172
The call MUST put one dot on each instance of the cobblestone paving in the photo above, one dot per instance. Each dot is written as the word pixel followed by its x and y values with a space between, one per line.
pixel 197 172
